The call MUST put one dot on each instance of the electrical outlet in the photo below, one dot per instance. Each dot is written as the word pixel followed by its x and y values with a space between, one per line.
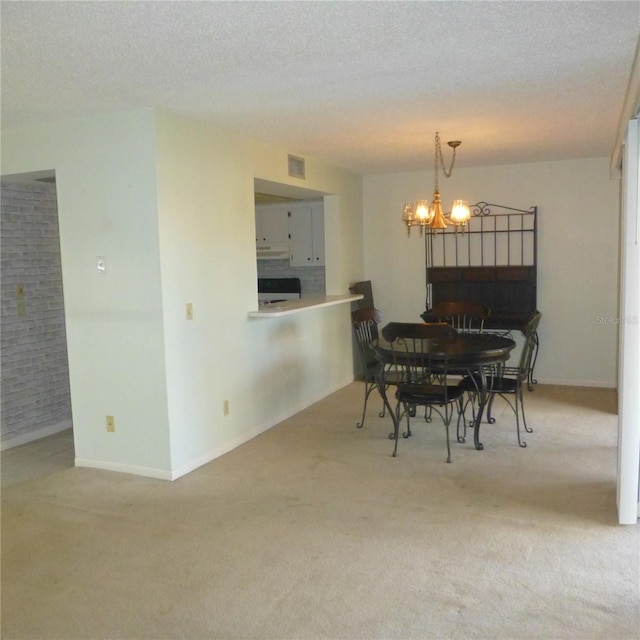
pixel 189 311
pixel 111 424
pixel 225 408
pixel 21 310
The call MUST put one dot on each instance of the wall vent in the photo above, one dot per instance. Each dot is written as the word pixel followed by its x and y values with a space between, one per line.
pixel 296 167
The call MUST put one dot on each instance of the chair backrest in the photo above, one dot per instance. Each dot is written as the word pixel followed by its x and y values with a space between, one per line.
pixel 410 347
pixel 363 315
pixel 414 360
pixel 530 340
pixel 363 288
pixel 465 317
pixel 365 329
pixel 417 330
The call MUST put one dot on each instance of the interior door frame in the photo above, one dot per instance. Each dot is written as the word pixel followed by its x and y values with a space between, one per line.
pixel 628 496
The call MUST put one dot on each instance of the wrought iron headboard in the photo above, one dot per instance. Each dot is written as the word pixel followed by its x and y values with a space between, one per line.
pixel 506 237
pixel 492 260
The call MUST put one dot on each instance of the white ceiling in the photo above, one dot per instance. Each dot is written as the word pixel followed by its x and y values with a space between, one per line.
pixel 364 85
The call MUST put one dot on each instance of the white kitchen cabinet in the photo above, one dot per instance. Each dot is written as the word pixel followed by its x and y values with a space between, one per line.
pixel 272 224
pixel 306 234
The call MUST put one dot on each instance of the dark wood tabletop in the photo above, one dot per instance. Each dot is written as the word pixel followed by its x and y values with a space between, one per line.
pixel 462 350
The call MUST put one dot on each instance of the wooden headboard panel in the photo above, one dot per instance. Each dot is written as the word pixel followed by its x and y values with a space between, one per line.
pixel 509 291
pixel 493 262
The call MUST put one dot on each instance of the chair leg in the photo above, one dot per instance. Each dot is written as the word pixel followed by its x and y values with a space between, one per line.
pixel 490 418
pixel 446 426
pixel 368 388
pixel 396 429
pixel 524 418
pixel 408 412
pixel 463 414
pixel 383 413
pixel 518 404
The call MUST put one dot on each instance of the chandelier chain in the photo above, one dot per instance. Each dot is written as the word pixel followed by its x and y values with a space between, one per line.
pixel 430 217
pixel 439 160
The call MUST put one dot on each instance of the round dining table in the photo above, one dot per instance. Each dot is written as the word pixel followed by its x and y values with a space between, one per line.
pixel 466 353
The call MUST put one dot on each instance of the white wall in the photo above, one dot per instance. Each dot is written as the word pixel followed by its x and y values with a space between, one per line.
pixel 628 495
pixel 578 207
pixel 176 224
pixel 106 186
pixel 266 369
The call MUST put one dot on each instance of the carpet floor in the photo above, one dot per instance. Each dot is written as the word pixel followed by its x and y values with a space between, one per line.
pixel 312 530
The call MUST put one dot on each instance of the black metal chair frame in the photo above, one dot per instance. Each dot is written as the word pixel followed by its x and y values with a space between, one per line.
pixel 422 382
pixel 506 381
pixel 365 330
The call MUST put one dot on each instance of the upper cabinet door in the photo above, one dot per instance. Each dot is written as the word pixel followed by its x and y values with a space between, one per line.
pixel 317 232
pixel 306 232
pixel 272 224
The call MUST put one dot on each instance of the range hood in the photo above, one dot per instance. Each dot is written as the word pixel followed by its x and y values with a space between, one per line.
pixel 272 252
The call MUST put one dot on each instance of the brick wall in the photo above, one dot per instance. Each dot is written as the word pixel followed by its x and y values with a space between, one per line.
pixel 34 373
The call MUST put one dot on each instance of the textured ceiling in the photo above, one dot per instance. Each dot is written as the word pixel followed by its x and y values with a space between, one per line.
pixel 364 85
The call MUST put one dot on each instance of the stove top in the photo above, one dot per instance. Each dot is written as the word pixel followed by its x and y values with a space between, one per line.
pixel 273 290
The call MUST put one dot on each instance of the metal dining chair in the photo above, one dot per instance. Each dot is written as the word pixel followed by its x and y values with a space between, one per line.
pixel 465 317
pixel 507 381
pixel 422 382
pixel 365 331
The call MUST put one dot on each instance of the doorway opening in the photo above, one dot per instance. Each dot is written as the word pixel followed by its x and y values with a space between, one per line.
pixel 36 400
pixel 290 235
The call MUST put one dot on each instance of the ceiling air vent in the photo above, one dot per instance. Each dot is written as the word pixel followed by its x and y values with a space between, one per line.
pixel 296 167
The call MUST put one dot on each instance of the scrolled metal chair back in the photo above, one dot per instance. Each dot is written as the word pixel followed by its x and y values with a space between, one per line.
pixel 365 328
pixel 465 317
pixel 530 337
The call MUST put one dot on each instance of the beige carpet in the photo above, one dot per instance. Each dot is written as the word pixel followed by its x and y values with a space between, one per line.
pixel 313 530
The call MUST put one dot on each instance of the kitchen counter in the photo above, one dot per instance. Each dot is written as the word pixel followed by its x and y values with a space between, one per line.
pixel 305 303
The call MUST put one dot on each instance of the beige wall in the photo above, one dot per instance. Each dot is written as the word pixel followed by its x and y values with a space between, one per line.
pixel 106 185
pixel 578 209
pixel 266 369
pixel 169 204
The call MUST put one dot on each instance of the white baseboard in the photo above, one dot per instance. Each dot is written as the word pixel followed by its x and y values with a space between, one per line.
pixel 174 474
pixel 218 451
pixel 34 434
pixel 147 472
pixel 600 384
pixel 249 435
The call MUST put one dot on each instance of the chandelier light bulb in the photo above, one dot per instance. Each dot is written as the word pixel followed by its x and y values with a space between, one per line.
pixel 460 213
pixel 408 213
pixel 423 212
pixel 409 216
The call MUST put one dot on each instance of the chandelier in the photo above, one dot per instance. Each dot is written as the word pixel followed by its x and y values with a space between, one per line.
pixel 430 216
